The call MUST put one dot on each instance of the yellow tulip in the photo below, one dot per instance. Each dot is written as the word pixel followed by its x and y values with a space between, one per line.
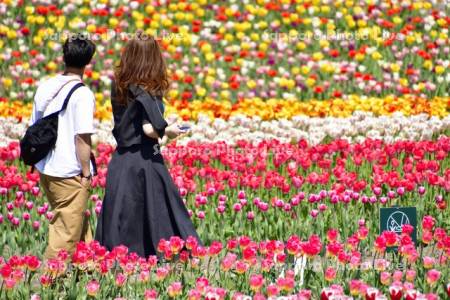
pixel 395 68
pixel 7 82
pixel 85 11
pixel 139 24
pixel 377 55
pixel 37 40
pixel 52 66
pixel 359 56
pixel 229 37
pixel 201 92
pixel 209 80
pixel 439 69
pixel 305 69
pixel 225 94
pixel 397 20
pixel 317 56
pixel 99 97
pixel 428 64
pixel 251 84
pixel 11 34
pixel 95 75
pixel 91 28
pixel 310 82
pixel 29 10
pixel 210 56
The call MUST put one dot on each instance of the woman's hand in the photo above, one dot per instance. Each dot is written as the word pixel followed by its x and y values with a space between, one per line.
pixel 173 131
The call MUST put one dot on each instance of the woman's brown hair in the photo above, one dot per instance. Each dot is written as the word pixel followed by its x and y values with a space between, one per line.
pixel 141 63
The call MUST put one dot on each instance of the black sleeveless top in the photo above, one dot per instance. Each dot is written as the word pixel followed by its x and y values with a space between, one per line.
pixel 128 118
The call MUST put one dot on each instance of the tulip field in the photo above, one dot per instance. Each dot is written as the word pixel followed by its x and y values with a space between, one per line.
pixel 307 117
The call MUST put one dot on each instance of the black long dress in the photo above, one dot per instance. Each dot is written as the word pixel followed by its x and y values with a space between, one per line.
pixel 141 204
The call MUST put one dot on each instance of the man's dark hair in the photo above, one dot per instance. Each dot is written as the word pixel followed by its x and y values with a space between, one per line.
pixel 78 51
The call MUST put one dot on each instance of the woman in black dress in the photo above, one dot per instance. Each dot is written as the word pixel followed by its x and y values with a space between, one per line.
pixel 142 204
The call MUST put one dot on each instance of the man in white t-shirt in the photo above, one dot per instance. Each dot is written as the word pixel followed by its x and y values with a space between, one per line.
pixel 66 170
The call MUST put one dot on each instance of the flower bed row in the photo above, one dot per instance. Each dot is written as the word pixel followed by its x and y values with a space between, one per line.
pixel 241 268
pixel 270 109
pixel 356 128
pixel 301 49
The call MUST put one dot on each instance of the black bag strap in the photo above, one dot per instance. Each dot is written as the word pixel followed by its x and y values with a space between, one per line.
pixel 72 90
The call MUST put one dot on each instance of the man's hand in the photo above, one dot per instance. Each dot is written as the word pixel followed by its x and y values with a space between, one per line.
pixel 83 149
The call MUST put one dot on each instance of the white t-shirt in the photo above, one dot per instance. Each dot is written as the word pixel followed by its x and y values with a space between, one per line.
pixel 78 118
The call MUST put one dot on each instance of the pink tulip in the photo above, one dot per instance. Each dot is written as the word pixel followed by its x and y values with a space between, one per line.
pixel 256 282
pixel 377 191
pixel 97 210
pixel 29 205
pixel 314 213
pixel 272 290
pixel 433 276
pixel 49 215
pixel 330 274
pixel 279 203
pixel 194 295
pixel 92 288
pixel 428 262
pixel 301 196
pixel 263 206
pixel 334 199
pixel 221 209
pixel 385 278
pixel 295 201
pixel 250 215
pixel 237 207
pixel 120 279
pixel 15 221
pixel 397 275
pixel 3 191
pixel 421 190
pixel 36 225
pixel 211 191
pixel 9 206
pixel 222 198
pixel 400 191
pixel 35 191
pixel 174 289
pixel 241 195
pixel 26 216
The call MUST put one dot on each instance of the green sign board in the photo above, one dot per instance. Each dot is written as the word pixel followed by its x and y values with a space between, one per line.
pixel 393 218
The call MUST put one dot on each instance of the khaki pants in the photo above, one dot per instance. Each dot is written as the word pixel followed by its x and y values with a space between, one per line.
pixel 68 199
